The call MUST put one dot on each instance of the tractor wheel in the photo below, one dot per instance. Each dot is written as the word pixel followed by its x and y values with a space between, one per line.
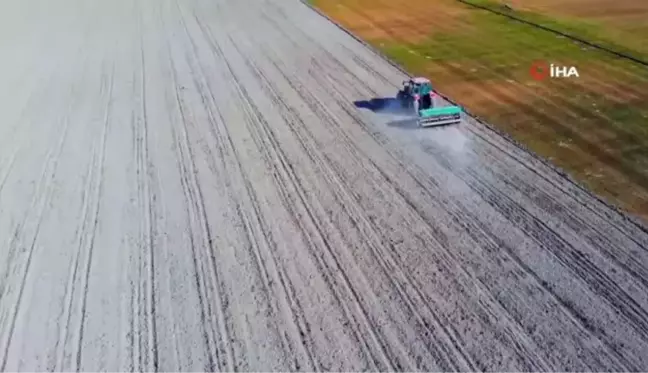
pixel 400 97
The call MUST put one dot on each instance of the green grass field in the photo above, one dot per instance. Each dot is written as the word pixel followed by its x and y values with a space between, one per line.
pixel 629 42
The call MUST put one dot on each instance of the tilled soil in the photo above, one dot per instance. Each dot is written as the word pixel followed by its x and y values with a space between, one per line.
pixel 196 186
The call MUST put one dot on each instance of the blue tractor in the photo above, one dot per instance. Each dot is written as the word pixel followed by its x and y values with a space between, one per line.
pixel 417 93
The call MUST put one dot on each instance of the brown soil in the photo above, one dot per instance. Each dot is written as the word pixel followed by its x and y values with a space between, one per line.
pixel 413 21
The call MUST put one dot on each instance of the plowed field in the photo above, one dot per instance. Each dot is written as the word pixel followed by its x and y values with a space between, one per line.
pixel 188 186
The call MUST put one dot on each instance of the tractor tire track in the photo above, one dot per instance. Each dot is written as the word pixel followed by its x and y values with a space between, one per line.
pixel 257 232
pixel 375 229
pixel 334 185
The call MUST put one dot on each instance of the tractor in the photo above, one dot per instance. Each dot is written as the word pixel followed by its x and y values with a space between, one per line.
pixel 417 93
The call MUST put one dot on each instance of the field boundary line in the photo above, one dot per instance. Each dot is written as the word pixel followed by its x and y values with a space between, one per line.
pixel 625 215
pixel 558 32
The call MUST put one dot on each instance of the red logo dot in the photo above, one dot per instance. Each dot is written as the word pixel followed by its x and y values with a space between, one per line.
pixel 539 70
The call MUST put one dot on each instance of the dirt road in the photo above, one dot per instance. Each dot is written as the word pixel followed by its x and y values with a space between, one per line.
pixel 188 185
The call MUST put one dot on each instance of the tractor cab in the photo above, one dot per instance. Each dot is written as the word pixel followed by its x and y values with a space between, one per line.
pixel 417 86
pixel 420 91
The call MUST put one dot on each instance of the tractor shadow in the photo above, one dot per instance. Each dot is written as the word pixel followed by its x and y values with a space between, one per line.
pixel 384 105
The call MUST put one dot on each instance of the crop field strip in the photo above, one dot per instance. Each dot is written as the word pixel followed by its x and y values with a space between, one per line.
pixel 589 41
pixel 551 117
pixel 620 25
